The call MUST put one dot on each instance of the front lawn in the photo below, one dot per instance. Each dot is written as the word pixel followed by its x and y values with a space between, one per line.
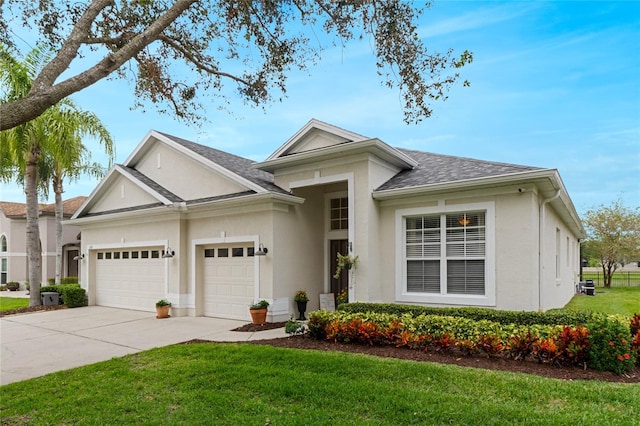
pixel 10 303
pixel 243 384
pixel 614 300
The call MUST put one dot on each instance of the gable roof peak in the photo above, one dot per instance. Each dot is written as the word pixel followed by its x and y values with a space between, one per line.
pixel 315 125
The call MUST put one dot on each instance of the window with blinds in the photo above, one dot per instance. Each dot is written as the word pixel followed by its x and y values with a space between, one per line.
pixel 445 253
pixel 423 254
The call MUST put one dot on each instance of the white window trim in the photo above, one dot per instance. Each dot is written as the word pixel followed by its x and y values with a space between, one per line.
pixel 335 234
pixel 489 298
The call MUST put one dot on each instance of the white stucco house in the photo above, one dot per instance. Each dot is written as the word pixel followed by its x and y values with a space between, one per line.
pixel 427 229
pixel 13 241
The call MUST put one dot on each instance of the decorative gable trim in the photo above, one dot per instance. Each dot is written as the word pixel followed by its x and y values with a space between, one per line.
pixel 372 146
pixel 312 125
pixel 118 170
pixel 154 136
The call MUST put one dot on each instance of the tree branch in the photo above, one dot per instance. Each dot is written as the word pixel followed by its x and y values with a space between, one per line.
pixel 198 63
pixel 43 94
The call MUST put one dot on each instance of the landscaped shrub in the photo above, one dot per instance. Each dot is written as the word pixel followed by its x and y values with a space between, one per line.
pixel 317 324
pixel 551 317
pixel 521 345
pixel 635 346
pixel 72 295
pixel 49 289
pixel 567 347
pixel 610 340
pixel 634 324
pixel 69 280
pixel 608 348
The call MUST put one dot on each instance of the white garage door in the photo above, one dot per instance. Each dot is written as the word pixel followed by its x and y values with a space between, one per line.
pixel 228 275
pixel 131 278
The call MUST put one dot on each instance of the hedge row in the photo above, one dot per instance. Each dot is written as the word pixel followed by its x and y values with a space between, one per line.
pixel 604 343
pixel 65 280
pixel 71 295
pixel 552 317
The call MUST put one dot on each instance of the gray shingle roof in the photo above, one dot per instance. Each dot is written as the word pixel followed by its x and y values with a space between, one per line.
pixel 124 209
pixel 241 166
pixel 438 168
pixel 153 185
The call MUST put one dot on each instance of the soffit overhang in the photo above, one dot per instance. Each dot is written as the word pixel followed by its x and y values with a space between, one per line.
pixel 370 146
pixel 547 182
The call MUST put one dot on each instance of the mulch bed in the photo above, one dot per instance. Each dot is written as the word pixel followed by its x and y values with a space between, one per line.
pixel 453 357
pixel 260 327
pixel 476 361
pixel 29 309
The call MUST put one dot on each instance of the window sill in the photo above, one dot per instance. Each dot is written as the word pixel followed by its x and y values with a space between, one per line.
pixel 446 299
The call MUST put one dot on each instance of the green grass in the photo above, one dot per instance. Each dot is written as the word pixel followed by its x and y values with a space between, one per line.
pixel 8 303
pixel 242 384
pixel 614 300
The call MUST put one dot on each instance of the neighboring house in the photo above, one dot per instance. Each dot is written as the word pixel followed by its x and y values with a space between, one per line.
pixel 13 241
pixel 427 228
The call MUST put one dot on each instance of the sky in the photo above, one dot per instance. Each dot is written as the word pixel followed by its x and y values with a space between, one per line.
pixel 554 84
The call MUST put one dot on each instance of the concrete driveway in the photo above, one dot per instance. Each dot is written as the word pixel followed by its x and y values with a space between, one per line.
pixel 39 343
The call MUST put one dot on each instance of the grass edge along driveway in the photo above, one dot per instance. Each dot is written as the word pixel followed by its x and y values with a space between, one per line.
pixel 217 383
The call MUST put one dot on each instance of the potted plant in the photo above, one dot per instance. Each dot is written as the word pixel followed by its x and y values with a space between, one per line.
pixel 294 327
pixel 342 297
pixel 301 299
pixel 162 308
pixel 345 262
pixel 13 286
pixel 258 312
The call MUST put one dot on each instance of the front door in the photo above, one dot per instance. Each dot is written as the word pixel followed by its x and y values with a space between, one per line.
pixel 342 283
pixel 72 264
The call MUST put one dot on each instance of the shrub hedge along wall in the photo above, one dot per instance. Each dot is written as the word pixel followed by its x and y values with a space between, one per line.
pixel 599 341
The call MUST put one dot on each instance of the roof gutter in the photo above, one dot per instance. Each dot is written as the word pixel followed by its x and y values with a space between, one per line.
pixel 541 241
pixel 386 194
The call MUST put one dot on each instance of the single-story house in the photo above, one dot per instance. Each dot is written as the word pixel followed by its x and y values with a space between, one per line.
pixel 213 232
pixel 13 241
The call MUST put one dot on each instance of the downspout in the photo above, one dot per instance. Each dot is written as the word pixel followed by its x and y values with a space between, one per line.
pixel 541 225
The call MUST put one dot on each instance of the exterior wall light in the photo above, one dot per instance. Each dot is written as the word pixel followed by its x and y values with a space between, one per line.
pixel 79 257
pixel 168 253
pixel 262 250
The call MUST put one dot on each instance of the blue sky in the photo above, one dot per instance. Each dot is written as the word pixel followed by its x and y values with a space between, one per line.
pixel 553 84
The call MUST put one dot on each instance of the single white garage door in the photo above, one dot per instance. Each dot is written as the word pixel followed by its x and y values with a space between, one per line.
pixel 130 279
pixel 229 280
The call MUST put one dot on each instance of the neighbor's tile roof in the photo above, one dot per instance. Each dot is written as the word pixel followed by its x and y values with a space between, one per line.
pixel 19 210
pixel 438 168
pixel 241 166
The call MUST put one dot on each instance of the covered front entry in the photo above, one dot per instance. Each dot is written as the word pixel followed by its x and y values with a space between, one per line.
pixel 132 278
pixel 229 280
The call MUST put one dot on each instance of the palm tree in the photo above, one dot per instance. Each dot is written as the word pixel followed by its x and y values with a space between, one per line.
pixel 21 147
pixel 69 159
pixel 27 149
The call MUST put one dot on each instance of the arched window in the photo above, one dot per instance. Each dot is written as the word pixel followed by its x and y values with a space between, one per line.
pixel 3 244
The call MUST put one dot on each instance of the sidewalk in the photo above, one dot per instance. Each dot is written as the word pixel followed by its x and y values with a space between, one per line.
pixel 36 344
pixel 17 294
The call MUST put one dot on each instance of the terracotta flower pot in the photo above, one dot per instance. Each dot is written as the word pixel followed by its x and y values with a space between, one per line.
pixel 258 316
pixel 163 311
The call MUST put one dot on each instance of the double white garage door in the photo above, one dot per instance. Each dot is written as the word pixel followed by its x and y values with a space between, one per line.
pixel 135 279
